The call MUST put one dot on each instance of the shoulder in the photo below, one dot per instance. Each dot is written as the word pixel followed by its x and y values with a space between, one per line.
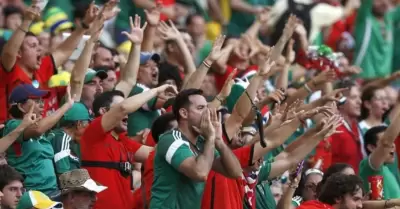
pixel 11 125
pixel 138 88
pixel 171 138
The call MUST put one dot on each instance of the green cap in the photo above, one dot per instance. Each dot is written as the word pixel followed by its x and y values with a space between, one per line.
pixel 90 74
pixel 78 112
pixel 36 199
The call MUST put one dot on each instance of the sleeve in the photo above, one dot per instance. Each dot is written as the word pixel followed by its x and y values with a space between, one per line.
pixel 10 126
pixel 94 132
pixel 245 155
pixel 366 170
pixel 48 67
pixel 395 14
pixel 325 14
pixel 264 171
pixel 61 143
pixel 150 104
pixel 173 149
pixel 364 11
pixel 131 145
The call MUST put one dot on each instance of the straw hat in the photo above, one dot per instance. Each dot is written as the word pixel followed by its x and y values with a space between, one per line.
pixel 79 179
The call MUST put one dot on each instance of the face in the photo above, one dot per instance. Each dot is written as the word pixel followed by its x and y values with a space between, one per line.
pixel 3 160
pixel 276 192
pixel 91 90
pixel 80 129
pixel 390 157
pixel 194 111
pixel 392 95
pixel 310 186
pixel 13 21
pixel 30 53
pixel 37 103
pixel 110 82
pixel 55 41
pixel 123 125
pixel 103 57
pixel 197 26
pixel 352 107
pixel 148 74
pixel 378 104
pixel 380 7
pixel 12 193
pixel 348 171
pixel 81 200
pixel 189 42
pixel 208 86
pixel 44 40
pixel 351 201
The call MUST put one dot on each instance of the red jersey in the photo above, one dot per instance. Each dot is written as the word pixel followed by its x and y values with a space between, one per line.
pixel 98 145
pixel 323 151
pixel 346 146
pixel 314 204
pixel 17 76
pixel 223 192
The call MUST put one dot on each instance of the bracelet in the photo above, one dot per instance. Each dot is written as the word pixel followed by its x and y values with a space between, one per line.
pixel 308 88
pixel 206 64
pixel 293 186
pixel 219 99
pixel 22 29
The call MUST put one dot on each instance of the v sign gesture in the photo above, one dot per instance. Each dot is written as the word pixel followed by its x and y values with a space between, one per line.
pixel 30 118
pixel 136 34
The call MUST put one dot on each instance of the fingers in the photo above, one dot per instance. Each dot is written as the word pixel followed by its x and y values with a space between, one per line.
pixel 144 26
pixel 131 22
pixel 31 109
pixel 137 21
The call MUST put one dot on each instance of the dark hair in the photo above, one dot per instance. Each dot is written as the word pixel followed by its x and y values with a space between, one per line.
pixel 334 168
pixel 68 124
pixel 189 18
pixel 337 186
pixel 15 112
pixel 104 100
pixel 10 10
pixel 182 100
pixel 80 10
pixel 103 68
pixel 27 34
pixel 7 175
pixel 367 95
pixel 346 83
pixel 371 136
pixel 161 125
pixel 168 71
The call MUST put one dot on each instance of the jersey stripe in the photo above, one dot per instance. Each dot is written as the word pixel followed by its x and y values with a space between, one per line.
pixel 174 146
pixel 64 151
pixel 365 42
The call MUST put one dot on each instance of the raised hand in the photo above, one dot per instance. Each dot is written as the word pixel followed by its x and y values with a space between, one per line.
pixel 328 126
pixel 290 54
pixel 252 43
pixel 327 75
pixel 70 100
pixel 226 89
pixel 167 89
pixel 30 118
pixel 216 121
pixel 110 10
pixel 275 97
pixel 216 51
pixel 334 96
pixel 206 128
pixel 290 26
pixel 265 69
pixel 136 34
pixel 169 32
pixel 352 70
pixel 33 11
pixel 91 14
pixel 153 14
pixel 264 15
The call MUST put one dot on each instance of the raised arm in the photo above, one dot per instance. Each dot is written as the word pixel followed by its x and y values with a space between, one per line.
pixel 224 93
pixel 117 112
pixel 130 71
pixel 153 19
pixel 12 46
pixel 385 144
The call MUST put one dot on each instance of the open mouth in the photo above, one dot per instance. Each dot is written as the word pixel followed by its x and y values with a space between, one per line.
pixel 39 58
pixel 125 121
pixel 392 153
pixel 154 75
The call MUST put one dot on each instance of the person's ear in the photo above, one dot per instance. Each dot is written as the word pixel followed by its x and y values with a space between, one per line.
pixel 370 148
pixel 21 107
pixel 183 113
pixel 102 110
pixel 367 104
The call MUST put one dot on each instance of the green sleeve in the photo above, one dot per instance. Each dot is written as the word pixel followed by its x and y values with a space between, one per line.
pixel 264 171
pixel 61 143
pixel 364 11
pixel 366 171
pixel 10 126
pixel 150 104
pixel 173 148
pixel 395 14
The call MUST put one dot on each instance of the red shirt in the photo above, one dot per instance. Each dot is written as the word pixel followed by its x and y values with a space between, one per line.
pixel 314 204
pixel 98 145
pixel 323 151
pixel 17 76
pixel 346 146
pixel 223 192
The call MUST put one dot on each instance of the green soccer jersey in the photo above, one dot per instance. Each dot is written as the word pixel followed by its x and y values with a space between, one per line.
pixel 66 151
pixel 172 189
pixel 33 158
pixel 128 9
pixel 391 188
pixel 374 42
pixel 264 197
pixel 143 118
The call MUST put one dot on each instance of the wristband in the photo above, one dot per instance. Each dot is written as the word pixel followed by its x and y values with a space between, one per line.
pixel 22 30
pixel 206 64
pixel 308 88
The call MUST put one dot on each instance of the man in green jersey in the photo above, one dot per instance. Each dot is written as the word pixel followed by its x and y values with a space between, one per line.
pixel 374 38
pixel 184 156
pixel 65 140
pixel 379 145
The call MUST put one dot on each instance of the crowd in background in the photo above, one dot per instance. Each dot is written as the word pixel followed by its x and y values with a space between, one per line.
pixel 255 104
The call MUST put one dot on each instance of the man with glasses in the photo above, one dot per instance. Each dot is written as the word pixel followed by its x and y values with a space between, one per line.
pixel 11 185
pixel 65 140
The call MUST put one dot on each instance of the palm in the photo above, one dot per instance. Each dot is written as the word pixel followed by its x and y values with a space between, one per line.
pixel 216 51
pixel 136 35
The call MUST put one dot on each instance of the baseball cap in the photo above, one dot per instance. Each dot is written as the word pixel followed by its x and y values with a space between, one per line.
pixel 146 56
pixel 77 112
pixel 36 199
pixel 26 91
pixel 90 74
pixel 79 179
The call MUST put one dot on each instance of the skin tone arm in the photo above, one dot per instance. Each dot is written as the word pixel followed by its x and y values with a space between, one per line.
pixel 197 168
pixel 45 124
pixel 286 200
pixel 196 79
pixel 282 80
pixel 172 33
pixel 153 19
pixel 391 203
pixel 383 81
pixel 10 138
pixel 117 112
pixel 130 71
pixel 385 143
pixel 11 48
pixel 224 93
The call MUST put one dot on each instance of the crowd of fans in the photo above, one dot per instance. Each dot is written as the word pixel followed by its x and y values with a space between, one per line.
pixel 240 104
